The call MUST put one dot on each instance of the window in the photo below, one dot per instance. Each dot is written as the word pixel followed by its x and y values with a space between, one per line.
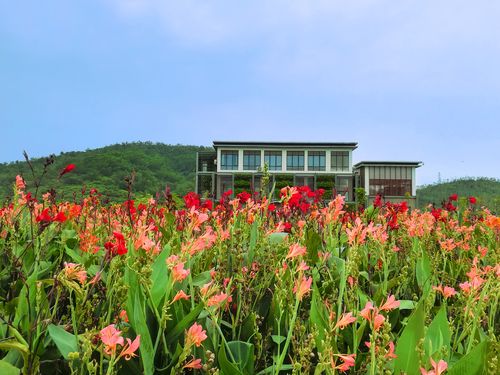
pixel 273 160
pixel 316 160
pixel 229 160
pixel 390 181
pixel 340 161
pixel 225 184
pixel 295 160
pixel 344 186
pixel 304 181
pixel 251 160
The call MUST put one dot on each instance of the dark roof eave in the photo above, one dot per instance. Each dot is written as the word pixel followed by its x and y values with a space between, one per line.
pixel 351 145
pixel 415 164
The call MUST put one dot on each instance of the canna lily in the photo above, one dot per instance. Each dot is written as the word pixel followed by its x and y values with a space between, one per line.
pixel 438 368
pixel 179 273
pixel 296 250
pixel 195 335
pixel 344 321
pixel 390 304
pixel 130 347
pixel 74 271
pixel 447 291
pixel 218 299
pixel 110 337
pixel 303 287
pixel 180 295
pixel 195 364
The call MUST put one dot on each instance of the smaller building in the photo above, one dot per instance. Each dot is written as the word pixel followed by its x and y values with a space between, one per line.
pixel 393 180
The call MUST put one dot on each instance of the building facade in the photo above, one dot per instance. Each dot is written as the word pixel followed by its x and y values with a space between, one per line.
pixel 239 166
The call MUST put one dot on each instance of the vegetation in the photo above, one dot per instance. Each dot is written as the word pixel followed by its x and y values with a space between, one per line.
pixel 485 190
pixel 246 287
pixel 155 165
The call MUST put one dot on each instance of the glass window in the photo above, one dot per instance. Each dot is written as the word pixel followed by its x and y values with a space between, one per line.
pixel 340 160
pixel 251 160
pixel 295 160
pixel 273 160
pixel 229 160
pixel 390 181
pixel 316 160
pixel 344 186
pixel 225 184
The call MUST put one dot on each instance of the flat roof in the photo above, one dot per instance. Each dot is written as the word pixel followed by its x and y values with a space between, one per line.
pixel 351 145
pixel 415 164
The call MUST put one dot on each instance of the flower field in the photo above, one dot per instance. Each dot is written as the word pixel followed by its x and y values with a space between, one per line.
pixel 243 286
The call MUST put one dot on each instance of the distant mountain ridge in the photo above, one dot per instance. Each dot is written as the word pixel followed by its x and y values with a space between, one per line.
pixel 485 190
pixel 157 165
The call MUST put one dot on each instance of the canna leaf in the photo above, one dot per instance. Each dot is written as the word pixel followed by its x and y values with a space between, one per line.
pixel 408 358
pixel 66 342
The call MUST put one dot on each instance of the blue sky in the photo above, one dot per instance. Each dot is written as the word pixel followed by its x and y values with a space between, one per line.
pixel 407 80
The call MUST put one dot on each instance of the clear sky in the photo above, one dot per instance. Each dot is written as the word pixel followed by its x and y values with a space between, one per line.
pixel 407 80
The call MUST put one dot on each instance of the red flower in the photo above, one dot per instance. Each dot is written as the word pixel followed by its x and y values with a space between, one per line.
pixel 44 216
pixel 453 197
pixel 192 199
pixel 472 200
pixel 271 207
pixel 244 196
pixel 60 217
pixel 68 169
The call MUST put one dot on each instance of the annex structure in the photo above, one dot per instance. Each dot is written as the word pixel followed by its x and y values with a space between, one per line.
pixel 240 166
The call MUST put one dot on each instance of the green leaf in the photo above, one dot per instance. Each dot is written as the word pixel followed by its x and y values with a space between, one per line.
pixel 278 339
pixel 472 363
pixel 408 359
pixel 313 245
pixel 318 317
pixel 7 369
pixel 254 234
pixel 406 304
pixel 243 355
pixel 180 327
pixel 159 277
pixel 423 272
pixel 226 367
pixel 66 342
pixel 438 334
pixel 202 278
pixel 271 369
pixel 137 317
pixel 277 238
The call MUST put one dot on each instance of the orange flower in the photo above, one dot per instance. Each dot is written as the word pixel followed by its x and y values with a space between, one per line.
pixel 447 291
pixel 123 316
pixel 130 347
pixel 296 250
pixel 303 287
pixel 195 335
pixel 194 364
pixel 344 321
pixel 180 295
pixel 110 337
pixel 75 271
pixel 218 299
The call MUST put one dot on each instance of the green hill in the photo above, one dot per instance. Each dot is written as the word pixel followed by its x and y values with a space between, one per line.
pixel 156 165
pixel 486 191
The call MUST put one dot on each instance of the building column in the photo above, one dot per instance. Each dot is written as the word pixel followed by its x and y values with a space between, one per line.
pixel 283 160
pixel 240 160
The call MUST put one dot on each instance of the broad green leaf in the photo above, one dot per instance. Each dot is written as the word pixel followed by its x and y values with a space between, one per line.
pixel 271 369
pixel 438 334
pixel 318 317
pixel 472 363
pixel 408 359
pixel 137 317
pixel 201 279
pixel 423 273
pixel 313 245
pixel 159 277
pixel 7 369
pixel 180 327
pixel 227 367
pixel 276 238
pixel 243 355
pixel 406 304
pixel 66 342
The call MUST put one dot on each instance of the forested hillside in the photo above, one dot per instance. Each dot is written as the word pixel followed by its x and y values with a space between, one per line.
pixel 156 165
pixel 485 190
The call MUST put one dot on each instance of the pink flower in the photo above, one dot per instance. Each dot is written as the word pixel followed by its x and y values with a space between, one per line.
pixel 390 353
pixel 178 272
pixel 20 185
pixel 296 250
pixel 438 368
pixel 302 266
pixel 130 347
pixel 447 291
pixel 390 304
pixel 195 335
pixel 345 320
pixel 303 287
pixel 110 337
pixel 75 271
pixel 218 299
